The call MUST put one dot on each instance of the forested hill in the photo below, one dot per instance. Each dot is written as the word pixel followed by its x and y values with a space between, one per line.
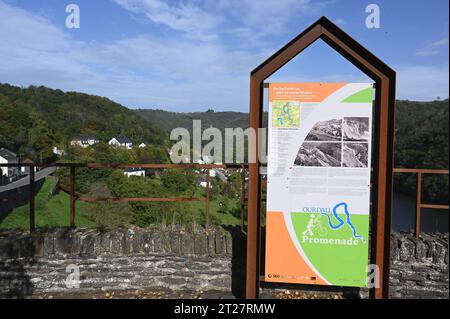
pixel 221 120
pixel 421 138
pixel 421 134
pixel 422 129
pixel 34 119
pixel 421 141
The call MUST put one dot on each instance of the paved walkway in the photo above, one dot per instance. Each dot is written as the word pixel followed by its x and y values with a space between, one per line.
pixel 26 180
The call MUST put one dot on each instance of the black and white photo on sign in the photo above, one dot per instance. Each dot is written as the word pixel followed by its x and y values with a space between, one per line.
pixel 320 154
pixel 330 130
pixel 355 154
pixel 356 129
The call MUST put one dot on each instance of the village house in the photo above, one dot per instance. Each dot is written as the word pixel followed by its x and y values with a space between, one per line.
pixel 121 141
pixel 57 151
pixel 84 140
pixel 134 171
pixel 143 144
pixel 203 183
pixel 25 170
pixel 8 173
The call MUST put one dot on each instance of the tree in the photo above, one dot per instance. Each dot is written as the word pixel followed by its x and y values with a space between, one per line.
pixel 108 214
pixel 178 181
pixel 41 139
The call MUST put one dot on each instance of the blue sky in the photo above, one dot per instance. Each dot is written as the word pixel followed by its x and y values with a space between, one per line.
pixel 192 55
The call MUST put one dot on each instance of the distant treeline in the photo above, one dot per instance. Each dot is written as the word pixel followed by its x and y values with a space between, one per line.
pixel 421 138
pixel 421 141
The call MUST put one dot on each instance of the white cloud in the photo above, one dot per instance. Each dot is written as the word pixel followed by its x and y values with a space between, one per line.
pixel 272 16
pixel 440 43
pixel 204 20
pixel 143 71
pixel 32 46
pixel 433 48
pixel 427 52
pixel 185 16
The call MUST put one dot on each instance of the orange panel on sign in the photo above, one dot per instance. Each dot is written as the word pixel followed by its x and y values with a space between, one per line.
pixel 284 258
pixel 302 92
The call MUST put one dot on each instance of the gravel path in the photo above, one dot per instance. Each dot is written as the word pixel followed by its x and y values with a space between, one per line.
pixel 160 293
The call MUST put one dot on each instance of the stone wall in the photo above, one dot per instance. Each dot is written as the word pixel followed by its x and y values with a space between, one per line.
pixel 419 267
pixel 173 258
pixel 178 258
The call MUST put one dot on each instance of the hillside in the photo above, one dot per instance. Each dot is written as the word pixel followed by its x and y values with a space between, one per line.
pixel 34 119
pixel 421 138
pixel 221 120
pixel 421 141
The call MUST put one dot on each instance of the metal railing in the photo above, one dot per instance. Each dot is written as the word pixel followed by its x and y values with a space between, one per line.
pixel 73 197
pixel 419 204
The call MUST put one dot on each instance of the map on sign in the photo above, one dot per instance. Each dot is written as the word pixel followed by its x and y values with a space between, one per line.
pixel 286 114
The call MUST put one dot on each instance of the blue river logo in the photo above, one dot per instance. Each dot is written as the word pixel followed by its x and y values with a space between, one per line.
pixel 341 222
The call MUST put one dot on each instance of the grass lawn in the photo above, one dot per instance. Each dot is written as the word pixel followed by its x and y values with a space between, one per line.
pixel 225 218
pixel 230 217
pixel 51 210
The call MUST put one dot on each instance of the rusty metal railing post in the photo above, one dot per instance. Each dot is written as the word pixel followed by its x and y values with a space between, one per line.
pixel 32 206
pixel 418 203
pixel 243 198
pixel 254 194
pixel 72 196
pixel 207 201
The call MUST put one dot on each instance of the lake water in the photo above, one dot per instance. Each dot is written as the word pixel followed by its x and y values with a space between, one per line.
pixel 404 216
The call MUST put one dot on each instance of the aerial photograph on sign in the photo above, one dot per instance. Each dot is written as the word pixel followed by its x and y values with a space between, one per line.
pixel 330 130
pixel 319 154
pixel 355 154
pixel 356 129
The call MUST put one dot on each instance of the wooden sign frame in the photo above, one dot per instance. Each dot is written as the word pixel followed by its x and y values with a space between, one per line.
pixel 384 78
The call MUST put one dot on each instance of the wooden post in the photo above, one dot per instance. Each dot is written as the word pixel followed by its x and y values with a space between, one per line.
pixel 243 198
pixel 72 196
pixel 418 203
pixel 207 201
pixel 383 177
pixel 254 196
pixel 32 206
